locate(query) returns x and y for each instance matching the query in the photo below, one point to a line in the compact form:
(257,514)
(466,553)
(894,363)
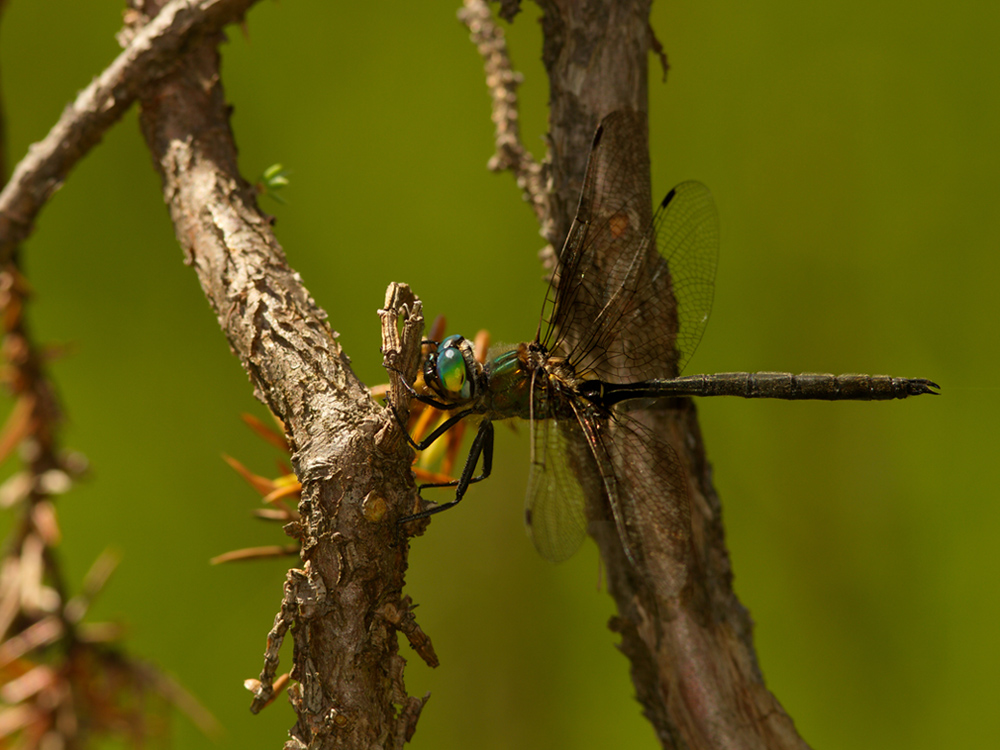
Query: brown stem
(693,662)
(503,80)
(353,467)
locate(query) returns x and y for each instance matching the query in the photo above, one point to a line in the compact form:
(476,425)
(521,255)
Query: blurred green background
(853,151)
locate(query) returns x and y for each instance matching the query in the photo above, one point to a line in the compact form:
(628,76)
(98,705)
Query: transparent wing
(612,310)
(645,483)
(555,507)
(603,243)
(686,227)
(613,304)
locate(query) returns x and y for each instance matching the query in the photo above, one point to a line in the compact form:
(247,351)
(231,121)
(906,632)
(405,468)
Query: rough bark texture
(354,470)
(693,662)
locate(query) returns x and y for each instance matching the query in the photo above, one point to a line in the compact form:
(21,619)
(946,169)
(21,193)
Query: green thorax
(509,390)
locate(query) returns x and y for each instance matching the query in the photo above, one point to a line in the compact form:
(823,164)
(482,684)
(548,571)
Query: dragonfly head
(452,370)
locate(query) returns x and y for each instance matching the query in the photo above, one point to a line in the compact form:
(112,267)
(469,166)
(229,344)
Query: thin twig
(503,80)
(264,688)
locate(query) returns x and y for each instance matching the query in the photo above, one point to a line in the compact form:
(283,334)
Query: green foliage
(271,180)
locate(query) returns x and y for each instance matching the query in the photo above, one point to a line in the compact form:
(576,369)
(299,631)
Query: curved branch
(151,52)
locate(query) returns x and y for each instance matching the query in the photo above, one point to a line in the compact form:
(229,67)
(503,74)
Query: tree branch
(350,459)
(693,662)
(503,80)
(151,51)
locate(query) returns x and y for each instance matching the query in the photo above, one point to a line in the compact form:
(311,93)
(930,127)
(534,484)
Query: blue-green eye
(451,369)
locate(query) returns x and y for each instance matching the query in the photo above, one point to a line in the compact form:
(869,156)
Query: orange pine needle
(263,485)
(18,425)
(293,488)
(256,553)
(278,441)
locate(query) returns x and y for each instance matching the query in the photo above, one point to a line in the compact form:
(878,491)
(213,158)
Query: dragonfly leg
(418,396)
(441,430)
(481,446)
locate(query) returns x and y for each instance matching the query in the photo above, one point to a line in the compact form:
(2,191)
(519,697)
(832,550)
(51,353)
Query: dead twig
(502,81)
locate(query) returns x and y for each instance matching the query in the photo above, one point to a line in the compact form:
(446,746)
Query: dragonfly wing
(612,310)
(646,487)
(613,303)
(555,509)
(598,257)
(686,227)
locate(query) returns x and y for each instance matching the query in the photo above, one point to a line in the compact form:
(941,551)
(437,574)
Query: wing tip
(668,197)
(598,134)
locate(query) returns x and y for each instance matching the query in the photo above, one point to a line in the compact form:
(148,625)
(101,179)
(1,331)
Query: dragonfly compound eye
(451,371)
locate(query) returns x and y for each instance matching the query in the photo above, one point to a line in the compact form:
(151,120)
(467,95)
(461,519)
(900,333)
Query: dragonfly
(626,307)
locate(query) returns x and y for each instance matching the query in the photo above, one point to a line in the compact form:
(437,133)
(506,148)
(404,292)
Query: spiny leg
(481,446)
(428,441)
(441,429)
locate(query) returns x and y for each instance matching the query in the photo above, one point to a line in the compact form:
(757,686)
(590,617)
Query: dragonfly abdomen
(785,385)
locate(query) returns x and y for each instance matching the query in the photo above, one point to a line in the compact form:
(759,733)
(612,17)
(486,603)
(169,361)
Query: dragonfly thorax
(529,382)
(556,372)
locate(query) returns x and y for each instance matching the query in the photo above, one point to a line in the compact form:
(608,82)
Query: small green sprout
(273,179)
